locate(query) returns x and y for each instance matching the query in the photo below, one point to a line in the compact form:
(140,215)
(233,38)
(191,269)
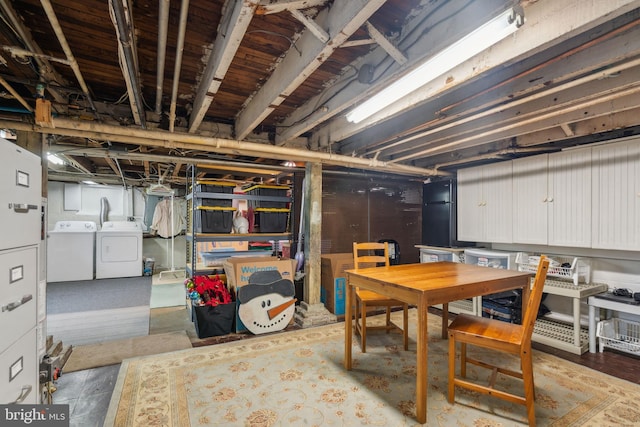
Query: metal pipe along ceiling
(130,71)
(157,138)
(184,9)
(163,25)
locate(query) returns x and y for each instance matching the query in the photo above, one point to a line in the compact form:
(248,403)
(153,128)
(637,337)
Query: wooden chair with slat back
(364,256)
(500,336)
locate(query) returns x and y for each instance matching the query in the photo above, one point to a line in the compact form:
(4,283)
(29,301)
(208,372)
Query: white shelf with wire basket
(566,335)
(619,334)
(576,269)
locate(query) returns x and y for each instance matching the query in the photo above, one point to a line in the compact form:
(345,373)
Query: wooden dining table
(423,285)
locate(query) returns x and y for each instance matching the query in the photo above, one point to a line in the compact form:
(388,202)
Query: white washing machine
(71,251)
(119,250)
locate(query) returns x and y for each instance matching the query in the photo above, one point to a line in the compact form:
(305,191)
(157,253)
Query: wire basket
(570,268)
(619,334)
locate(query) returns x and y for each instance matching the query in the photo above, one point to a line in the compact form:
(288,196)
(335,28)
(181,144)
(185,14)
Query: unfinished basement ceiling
(140,89)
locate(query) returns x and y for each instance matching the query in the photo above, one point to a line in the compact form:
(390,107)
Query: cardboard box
(239,269)
(333,280)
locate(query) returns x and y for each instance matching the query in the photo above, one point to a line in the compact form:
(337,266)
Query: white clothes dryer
(119,250)
(70,251)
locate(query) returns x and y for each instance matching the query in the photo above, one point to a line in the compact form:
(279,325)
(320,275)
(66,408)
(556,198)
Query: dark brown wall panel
(370,209)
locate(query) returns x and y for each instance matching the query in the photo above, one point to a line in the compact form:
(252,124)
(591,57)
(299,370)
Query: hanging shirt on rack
(161,223)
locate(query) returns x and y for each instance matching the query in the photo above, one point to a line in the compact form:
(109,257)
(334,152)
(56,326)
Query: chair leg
(405,327)
(452,368)
(363,334)
(388,319)
(463,359)
(529,391)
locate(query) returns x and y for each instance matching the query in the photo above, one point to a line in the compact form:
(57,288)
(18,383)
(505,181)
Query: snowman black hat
(264,283)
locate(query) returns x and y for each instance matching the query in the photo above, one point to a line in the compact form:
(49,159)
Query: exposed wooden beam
(384,43)
(345,16)
(267,7)
(311,25)
(233,26)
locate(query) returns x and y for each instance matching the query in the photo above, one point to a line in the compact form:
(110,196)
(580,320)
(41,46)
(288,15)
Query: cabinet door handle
(22,207)
(13,305)
(545,200)
(26,390)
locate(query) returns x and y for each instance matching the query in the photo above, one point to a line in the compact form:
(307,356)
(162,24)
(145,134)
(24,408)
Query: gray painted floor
(87,393)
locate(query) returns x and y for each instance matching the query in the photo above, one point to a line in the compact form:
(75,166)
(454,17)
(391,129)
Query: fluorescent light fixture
(55,159)
(467,47)
(90,182)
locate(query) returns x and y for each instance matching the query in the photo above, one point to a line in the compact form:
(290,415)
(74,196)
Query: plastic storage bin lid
(219,183)
(271,210)
(272,187)
(215,208)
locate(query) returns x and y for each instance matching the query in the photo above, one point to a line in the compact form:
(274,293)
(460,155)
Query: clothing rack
(164,191)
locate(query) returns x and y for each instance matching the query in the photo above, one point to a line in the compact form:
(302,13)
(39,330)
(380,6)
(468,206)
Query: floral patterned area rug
(297,378)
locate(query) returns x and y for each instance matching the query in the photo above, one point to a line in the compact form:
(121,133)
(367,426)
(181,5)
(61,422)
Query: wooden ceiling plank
(47,71)
(233,26)
(344,17)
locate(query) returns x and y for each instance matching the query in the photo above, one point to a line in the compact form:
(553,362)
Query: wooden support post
(313,232)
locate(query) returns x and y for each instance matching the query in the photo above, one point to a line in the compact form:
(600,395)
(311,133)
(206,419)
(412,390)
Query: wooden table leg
(348,325)
(421,367)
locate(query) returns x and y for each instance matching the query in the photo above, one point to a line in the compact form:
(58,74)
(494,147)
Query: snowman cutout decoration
(266,303)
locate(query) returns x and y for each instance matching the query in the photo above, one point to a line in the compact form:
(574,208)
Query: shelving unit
(194,235)
(567,277)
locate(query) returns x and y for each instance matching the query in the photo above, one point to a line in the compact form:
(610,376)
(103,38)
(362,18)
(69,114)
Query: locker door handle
(26,390)
(22,207)
(13,305)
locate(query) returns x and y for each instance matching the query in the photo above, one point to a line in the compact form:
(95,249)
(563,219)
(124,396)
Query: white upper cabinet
(569,198)
(616,196)
(485,203)
(552,199)
(530,200)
